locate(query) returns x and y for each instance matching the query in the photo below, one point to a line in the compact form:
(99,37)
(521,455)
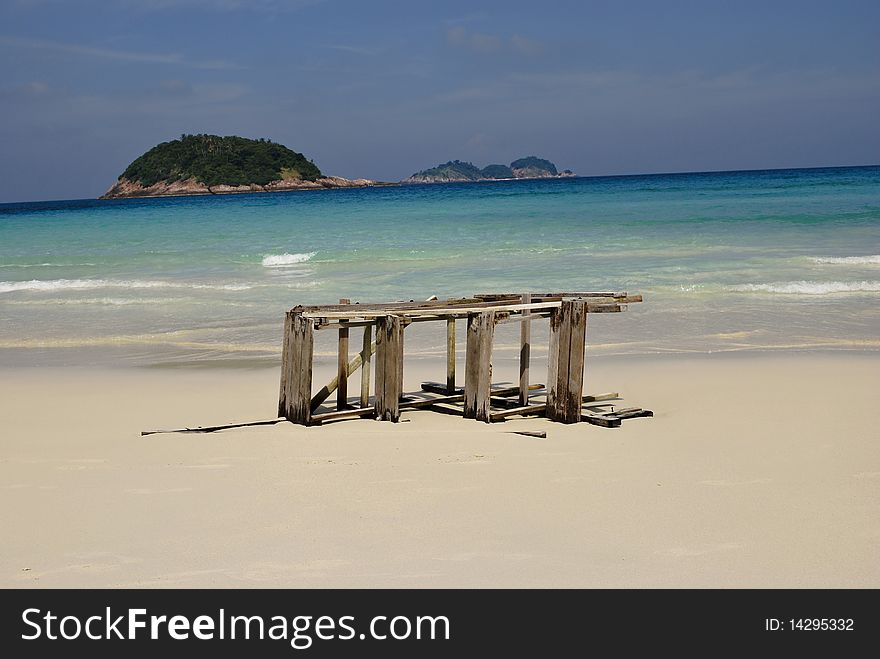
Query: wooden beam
(437,388)
(524,352)
(299,345)
(388,384)
(342,363)
(566,362)
(366,353)
(478,365)
(450,355)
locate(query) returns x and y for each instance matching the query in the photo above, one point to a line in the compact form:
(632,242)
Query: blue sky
(382,89)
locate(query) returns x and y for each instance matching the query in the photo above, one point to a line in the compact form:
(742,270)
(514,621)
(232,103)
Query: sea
(727,262)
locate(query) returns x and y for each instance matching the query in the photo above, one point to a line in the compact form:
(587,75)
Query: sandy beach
(758,470)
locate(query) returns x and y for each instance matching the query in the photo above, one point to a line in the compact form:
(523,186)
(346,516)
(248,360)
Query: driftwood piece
(203,429)
(541,434)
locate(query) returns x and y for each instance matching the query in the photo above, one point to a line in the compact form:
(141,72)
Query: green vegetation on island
(457,170)
(535,163)
(214,160)
(497,171)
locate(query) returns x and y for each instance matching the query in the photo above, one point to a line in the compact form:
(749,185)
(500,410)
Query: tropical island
(210,164)
(458,171)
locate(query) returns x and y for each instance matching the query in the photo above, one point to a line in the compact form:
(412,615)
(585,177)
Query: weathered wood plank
(565,371)
(450,355)
(285,364)
(297,406)
(525,334)
(478,365)
(342,362)
(388,383)
(366,353)
(575,388)
(535,408)
(402,337)
(225,426)
(351,413)
(600,420)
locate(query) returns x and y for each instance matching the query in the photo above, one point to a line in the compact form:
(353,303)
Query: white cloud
(113,54)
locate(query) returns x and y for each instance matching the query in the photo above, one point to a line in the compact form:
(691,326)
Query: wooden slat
(366,353)
(478,365)
(342,363)
(415,312)
(525,333)
(351,413)
(600,420)
(535,408)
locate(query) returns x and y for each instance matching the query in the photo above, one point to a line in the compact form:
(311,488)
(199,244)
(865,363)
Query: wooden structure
(563,398)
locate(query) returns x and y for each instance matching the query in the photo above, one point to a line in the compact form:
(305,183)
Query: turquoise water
(782,259)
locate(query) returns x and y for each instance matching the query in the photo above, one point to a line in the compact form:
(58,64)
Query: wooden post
(388,354)
(450,355)
(296,378)
(366,351)
(400,359)
(565,373)
(525,335)
(342,362)
(285,364)
(478,365)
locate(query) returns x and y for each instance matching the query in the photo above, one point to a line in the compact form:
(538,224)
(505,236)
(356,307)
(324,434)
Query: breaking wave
(283,260)
(811,287)
(873,259)
(91,284)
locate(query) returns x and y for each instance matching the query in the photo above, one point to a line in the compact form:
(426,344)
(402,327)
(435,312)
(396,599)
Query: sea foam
(283,260)
(873,259)
(91,284)
(811,287)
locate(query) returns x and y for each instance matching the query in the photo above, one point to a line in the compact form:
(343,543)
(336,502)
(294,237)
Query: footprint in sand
(687,552)
(147,490)
(724,483)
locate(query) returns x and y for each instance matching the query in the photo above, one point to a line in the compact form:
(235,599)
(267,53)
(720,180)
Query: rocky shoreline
(126,189)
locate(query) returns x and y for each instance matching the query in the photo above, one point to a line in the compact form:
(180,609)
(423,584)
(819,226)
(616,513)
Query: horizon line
(575,176)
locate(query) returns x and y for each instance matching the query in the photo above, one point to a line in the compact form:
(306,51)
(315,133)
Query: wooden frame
(564,399)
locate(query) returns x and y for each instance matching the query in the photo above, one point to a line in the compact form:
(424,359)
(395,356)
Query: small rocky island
(458,171)
(210,164)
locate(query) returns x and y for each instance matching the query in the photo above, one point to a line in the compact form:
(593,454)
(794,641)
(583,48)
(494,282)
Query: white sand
(756,471)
